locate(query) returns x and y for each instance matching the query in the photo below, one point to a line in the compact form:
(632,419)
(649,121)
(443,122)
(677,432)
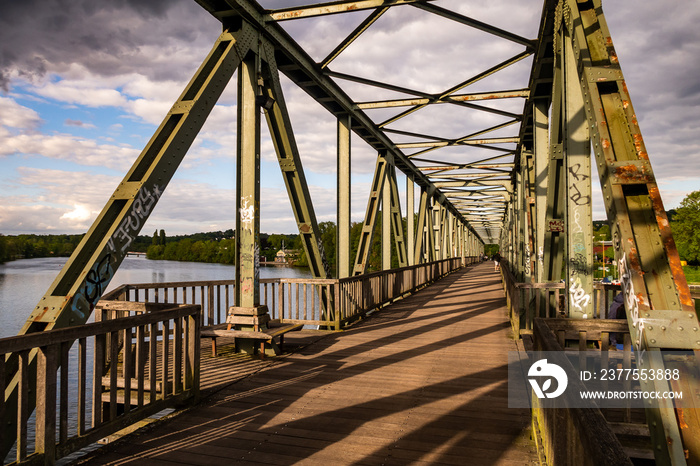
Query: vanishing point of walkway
(424,381)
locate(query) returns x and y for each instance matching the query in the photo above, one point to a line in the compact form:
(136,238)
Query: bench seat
(275,329)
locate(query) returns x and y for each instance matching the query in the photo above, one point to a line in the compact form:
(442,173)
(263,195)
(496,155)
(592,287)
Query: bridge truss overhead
(500,153)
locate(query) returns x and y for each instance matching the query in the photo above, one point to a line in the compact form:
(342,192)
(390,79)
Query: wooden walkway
(424,381)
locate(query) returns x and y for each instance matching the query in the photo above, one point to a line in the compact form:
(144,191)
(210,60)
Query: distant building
(286,255)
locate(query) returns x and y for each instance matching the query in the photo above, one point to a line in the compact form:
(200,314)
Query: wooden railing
(304,301)
(527,301)
(359,295)
(121,371)
(577,436)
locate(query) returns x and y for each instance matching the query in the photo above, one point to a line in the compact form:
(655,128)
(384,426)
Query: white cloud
(70,148)
(14,115)
(137,58)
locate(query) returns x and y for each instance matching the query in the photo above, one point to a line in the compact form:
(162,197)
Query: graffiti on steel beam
(528,259)
(256,271)
(96,282)
(578,261)
(631,300)
(322,253)
(556,226)
(247,212)
(579,297)
(131,225)
(576,197)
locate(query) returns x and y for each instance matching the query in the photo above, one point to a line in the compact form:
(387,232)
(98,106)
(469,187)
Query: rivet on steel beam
(680,329)
(663,327)
(653,341)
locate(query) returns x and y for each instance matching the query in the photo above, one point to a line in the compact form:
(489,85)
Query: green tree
(328,233)
(156,240)
(4,256)
(162,237)
(686,228)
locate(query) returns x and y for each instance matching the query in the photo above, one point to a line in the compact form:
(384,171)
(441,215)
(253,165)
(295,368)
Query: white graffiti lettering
(579,298)
(631,300)
(131,224)
(247,212)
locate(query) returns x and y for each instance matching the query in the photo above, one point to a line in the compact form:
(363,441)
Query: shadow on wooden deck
(423,382)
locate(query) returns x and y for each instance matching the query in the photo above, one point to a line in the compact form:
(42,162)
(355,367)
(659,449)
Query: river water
(24,282)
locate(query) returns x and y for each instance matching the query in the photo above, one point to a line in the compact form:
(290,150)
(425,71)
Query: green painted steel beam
(541,154)
(555,221)
(386,219)
(473,97)
(344,176)
(280,126)
(72,296)
(331,8)
(579,220)
(652,278)
(396,218)
(420,243)
(296,64)
(357,32)
(364,247)
(410,221)
(248,185)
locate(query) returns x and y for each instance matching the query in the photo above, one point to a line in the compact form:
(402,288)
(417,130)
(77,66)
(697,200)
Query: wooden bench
(267,335)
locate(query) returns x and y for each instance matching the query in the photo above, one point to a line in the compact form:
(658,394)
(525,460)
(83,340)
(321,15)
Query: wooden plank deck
(422,382)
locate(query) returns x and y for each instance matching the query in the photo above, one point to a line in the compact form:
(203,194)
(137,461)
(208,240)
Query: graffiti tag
(131,225)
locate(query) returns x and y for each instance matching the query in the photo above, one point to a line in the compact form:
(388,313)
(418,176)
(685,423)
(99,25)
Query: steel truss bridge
(518,174)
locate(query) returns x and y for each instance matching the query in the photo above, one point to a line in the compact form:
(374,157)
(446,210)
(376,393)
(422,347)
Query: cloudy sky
(84,84)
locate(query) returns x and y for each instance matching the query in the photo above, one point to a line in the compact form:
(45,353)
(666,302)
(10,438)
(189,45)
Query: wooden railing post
(46,371)
(338,305)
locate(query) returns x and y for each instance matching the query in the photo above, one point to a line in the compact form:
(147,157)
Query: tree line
(32,246)
(219,246)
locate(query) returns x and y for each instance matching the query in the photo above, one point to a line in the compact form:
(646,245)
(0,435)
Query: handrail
(527,301)
(139,366)
(573,435)
(297,300)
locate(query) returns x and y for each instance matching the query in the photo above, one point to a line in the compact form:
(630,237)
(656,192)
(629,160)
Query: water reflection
(24,282)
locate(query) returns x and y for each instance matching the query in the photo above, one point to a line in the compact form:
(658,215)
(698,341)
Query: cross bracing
(500,153)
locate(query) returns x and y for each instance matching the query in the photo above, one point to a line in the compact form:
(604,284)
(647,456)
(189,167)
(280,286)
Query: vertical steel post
(248,185)
(579,222)
(430,231)
(530,214)
(541,153)
(343,264)
(386,220)
(556,194)
(518,214)
(411,220)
